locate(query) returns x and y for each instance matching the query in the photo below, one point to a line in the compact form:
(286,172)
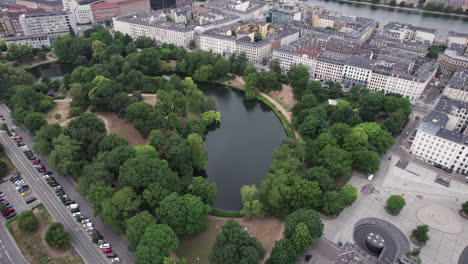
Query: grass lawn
(265,230)
(200,244)
(11,168)
(33,246)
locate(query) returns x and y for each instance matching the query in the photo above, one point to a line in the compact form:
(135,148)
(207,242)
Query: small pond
(239,150)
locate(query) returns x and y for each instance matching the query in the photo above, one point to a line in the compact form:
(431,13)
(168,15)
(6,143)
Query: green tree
(421,233)
(211,117)
(19,53)
(349,194)
(142,170)
(119,208)
(309,218)
(184,214)
(3,168)
(222,67)
(64,154)
(322,177)
(332,203)
(393,2)
(251,206)
(44,137)
(395,204)
(157,243)
(34,121)
(301,237)
(298,76)
(27,221)
(56,237)
(337,161)
(111,141)
(234,245)
(204,73)
(88,130)
(465,207)
(97,193)
(198,151)
(205,190)
(275,66)
(284,252)
(135,228)
(192,44)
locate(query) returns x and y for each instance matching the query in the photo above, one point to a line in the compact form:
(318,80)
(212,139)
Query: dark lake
(239,150)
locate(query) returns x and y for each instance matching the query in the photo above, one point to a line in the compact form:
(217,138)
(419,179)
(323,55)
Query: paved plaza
(426,203)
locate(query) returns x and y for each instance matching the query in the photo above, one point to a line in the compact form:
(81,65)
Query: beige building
(457,87)
(54,24)
(33,41)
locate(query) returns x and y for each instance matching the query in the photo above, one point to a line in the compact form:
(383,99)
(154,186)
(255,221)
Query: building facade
(452,60)
(160,4)
(108,11)
(457,87)
(54,24)
(33,41)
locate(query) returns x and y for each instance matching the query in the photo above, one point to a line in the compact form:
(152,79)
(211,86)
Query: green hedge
(221,213)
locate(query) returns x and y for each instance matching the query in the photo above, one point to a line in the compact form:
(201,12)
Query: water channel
(443,23)
(239,150)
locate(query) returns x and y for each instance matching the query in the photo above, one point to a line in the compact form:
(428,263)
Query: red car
(1,116)
(18,138)
(9,211)
(107,251)
(36,162)
(42,170)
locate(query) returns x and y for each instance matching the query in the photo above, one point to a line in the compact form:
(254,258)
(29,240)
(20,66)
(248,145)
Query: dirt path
(121,128)
(62,108)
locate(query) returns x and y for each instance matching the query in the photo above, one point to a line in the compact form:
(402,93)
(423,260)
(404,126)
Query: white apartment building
(409,32)
(33,41)
(218,44)
(457,38)
(83,14)
(69,4)
(357,71)
(329,66)
(457,87)
(440,139)
(54,24)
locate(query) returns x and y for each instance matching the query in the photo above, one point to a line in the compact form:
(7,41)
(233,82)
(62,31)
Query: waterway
(239,151)
(443,23)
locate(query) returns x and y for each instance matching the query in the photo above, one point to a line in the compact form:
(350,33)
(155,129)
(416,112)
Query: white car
(88,225)
(45,176)
(84,221)
(89,229)
(76,214)
(115,260)
(104,246)
(19,183)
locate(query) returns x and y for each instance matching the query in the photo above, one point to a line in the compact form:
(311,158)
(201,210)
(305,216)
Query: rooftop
(25,37)
(459,80)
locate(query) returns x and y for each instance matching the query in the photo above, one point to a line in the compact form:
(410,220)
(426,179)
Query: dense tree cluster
(56,237)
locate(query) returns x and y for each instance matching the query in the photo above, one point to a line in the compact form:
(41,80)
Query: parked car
(32,157)
(15,178)
(8,211)
(84,221)
(30,200)
(104,246)
(1,194)
(48,173)
(17,138)
(115,260)
(73,206)
(76,210)
(90,230)
(107,251)
(26,192)
(41,170)
(111,255)
(36,162)
(59,192)
(85,225)
(70,202)
(76,214)
(10,215)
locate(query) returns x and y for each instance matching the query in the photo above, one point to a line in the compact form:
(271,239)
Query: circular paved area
(440,218)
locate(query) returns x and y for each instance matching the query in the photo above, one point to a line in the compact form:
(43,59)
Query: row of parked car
(71,205)
(6,208)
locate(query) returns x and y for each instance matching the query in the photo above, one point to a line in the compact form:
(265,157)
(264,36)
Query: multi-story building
(83,14)
(457,87)
(183,3)
(110,10)
(256,39)
(47,5)
(33,41)
(457,38)
(329,66)
(283,14)
(54,24)
(357,71)
(160,4)
(408,32)
(184,25)
(454,58)
(441,138)
(380,44)
(245,9)
(9,20)
(453,3)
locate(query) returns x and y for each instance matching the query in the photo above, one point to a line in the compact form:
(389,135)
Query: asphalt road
(9,251)
(118,242)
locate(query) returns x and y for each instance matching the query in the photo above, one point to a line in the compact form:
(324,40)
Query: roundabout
(380,239)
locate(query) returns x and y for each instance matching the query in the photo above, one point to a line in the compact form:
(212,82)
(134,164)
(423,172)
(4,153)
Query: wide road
(9,251)
(118,242)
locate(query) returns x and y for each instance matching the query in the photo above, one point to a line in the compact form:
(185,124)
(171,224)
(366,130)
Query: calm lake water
(239,150)
(443,23)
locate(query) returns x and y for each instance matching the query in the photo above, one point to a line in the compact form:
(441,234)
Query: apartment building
(245,9)
(454,58)
(54,24)
(408,32)
(109,10)
(243,38)
(284,14)
(329,66)
(441,138)
(186,23)
(456,38)
(47,5)
(357,71)
(9,21)
(83,14)
(457,87)
(33,41)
